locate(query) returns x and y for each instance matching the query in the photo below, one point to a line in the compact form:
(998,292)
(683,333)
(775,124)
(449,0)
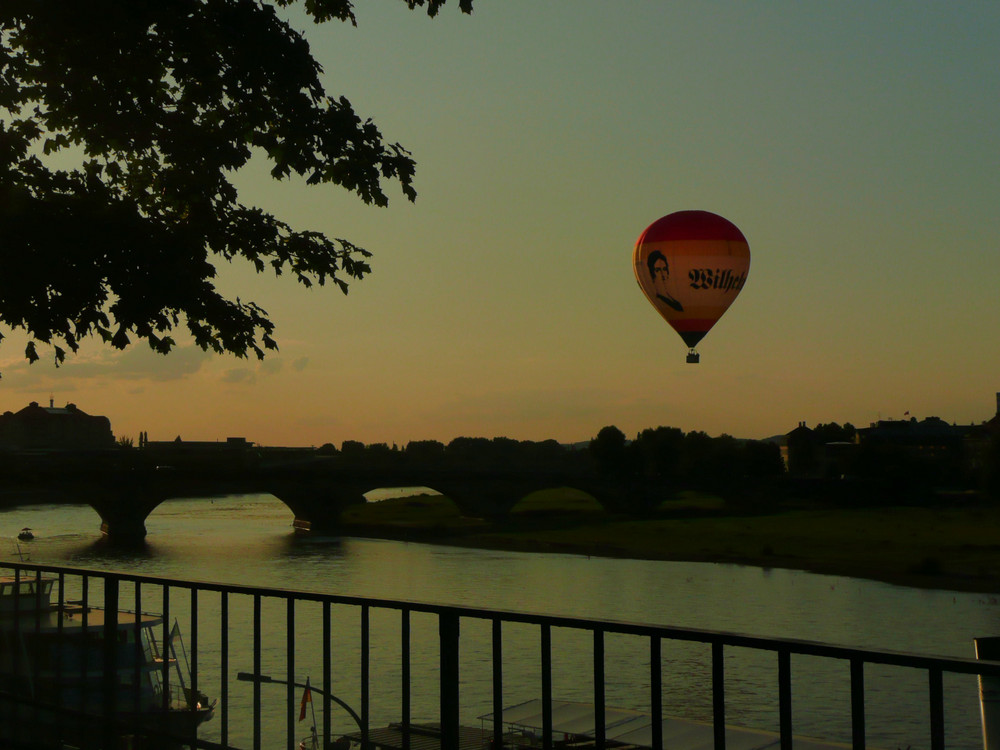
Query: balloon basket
(693,357)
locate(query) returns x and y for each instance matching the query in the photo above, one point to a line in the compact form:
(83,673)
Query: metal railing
(239,633)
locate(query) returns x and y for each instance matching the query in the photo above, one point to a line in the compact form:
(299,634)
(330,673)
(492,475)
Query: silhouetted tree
(503,450)
(353,448)
(661,451)
(697,465)
(546,453)
(726,457)
(762,460)
(609,451)
(424,450)
(834,433)
(468,451)
(159,104)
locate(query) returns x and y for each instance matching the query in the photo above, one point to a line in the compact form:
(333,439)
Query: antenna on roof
(52,402)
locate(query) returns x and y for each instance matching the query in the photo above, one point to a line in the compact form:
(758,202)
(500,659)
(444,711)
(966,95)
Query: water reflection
(304,547)
(105,550)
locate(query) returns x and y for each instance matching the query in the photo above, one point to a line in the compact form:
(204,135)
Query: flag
(306,698)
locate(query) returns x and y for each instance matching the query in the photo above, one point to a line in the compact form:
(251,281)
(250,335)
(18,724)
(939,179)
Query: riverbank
(952,546)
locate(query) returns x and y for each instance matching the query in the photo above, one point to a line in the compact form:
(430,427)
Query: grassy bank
(954,547)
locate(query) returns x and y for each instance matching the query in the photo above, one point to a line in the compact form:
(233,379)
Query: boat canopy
(624,726)
(419,737)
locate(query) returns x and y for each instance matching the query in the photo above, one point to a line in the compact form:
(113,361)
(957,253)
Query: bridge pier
(318,503)
(128,531)
(123,518)
(124,508)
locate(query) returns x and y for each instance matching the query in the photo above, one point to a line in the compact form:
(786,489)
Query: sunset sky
(855,144)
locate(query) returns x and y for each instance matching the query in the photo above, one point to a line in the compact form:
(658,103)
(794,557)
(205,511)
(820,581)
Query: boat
(52,671)
(25,534)
(575,724)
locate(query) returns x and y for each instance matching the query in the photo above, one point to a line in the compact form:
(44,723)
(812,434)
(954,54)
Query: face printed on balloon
(659,270)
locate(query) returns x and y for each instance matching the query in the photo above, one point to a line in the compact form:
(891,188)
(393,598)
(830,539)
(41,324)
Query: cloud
(142,363)
(249,375)
(137,363)
(270,366)
(300,364)
(240,375)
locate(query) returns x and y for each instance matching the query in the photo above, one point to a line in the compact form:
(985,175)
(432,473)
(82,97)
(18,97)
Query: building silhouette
(50,427)
(925,450)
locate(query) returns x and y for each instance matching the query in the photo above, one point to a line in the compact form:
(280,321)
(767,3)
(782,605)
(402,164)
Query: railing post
(85,630)
(449,633)
(546,686)
(404,648)
(656,689)
(366,675)
(600,730)
(858,703)
(60,634)
(290,715)
(37,627)
(256,670)
(110,681)
(165,670)
(16,655)
(497,683)
(192,702)
(937,708)
(327,672)
(136,650)
(224,666)
(988,647)
(785,697)
(719,695)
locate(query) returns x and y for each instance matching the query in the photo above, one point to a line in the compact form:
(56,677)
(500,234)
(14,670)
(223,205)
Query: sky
(855,144)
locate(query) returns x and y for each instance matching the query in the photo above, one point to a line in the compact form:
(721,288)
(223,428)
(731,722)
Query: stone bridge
(317,493)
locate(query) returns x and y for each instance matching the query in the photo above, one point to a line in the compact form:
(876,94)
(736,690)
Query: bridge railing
(73,673)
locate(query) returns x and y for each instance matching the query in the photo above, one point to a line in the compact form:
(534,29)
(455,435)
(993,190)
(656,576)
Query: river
(248,539)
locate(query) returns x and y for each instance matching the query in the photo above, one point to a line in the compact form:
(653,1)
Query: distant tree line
(896,462)
(463,452)
(685,460)
(692,460)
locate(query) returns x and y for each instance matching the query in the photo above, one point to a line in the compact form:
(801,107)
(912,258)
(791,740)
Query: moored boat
(54,656)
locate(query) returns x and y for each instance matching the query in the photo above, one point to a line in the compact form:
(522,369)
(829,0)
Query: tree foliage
(610,452)
(834,433)
(693,461)
(155,104)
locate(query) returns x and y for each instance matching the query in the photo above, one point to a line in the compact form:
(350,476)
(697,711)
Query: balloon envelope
(691,265)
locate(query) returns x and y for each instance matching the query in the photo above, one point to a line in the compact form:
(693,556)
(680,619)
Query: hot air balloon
(691,265)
